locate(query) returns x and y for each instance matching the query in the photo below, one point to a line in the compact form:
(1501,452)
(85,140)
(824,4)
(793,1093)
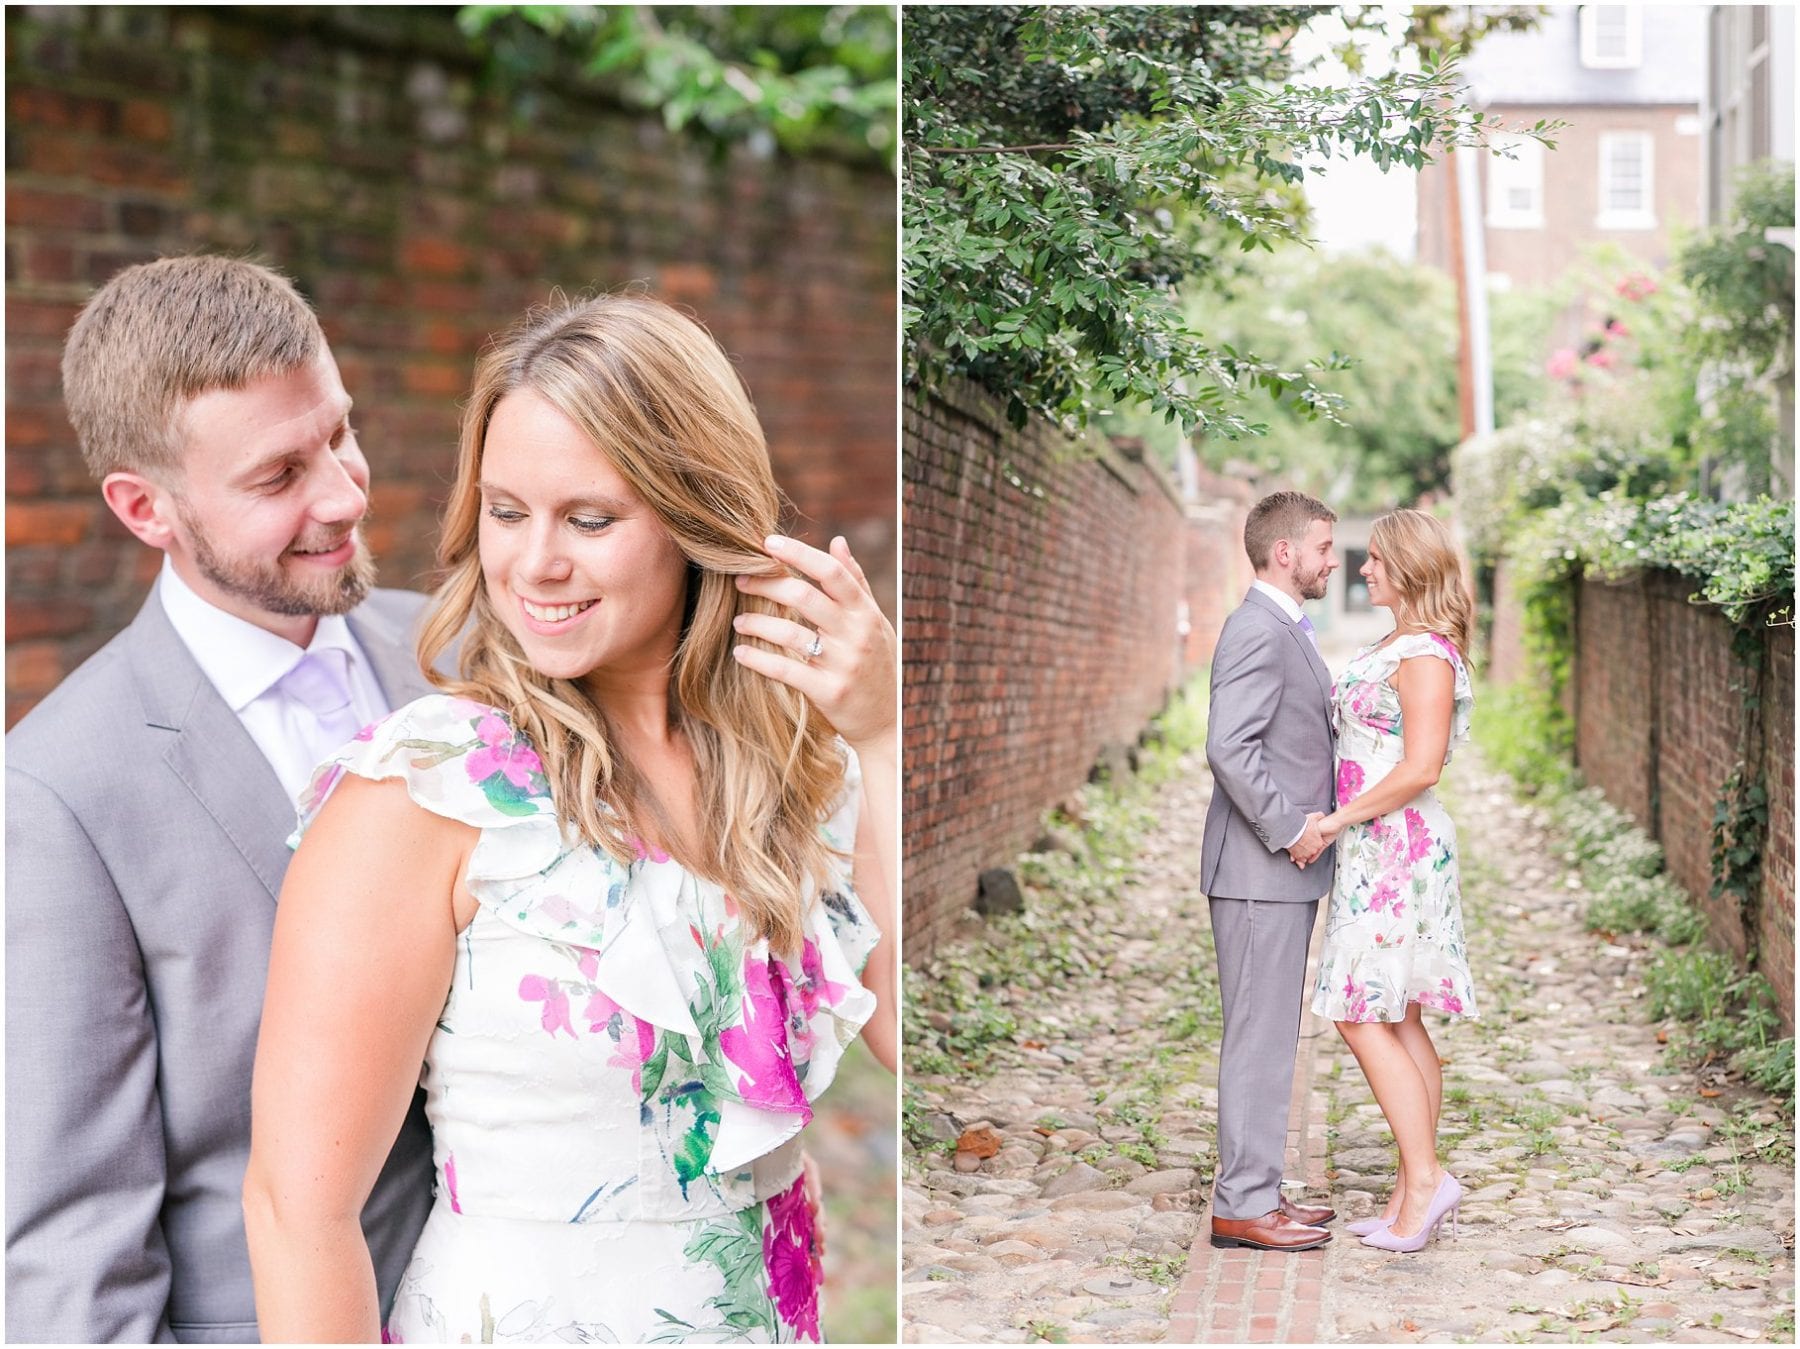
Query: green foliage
(1769,1066)
(1067,167)
(1525,734)
(810,78)
(1397,420)
(1741,554)
(1744,283)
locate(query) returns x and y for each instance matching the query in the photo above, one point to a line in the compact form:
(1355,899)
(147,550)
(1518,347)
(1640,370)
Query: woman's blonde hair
(1425,569)
(662,402)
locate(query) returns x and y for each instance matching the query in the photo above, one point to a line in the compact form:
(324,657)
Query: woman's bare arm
(365,943)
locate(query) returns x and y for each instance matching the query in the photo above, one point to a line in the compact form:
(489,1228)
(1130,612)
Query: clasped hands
(1313,840)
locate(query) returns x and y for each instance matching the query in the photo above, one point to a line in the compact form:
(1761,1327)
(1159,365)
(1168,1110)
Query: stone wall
(1043,589)
(1659,714)
(356,149)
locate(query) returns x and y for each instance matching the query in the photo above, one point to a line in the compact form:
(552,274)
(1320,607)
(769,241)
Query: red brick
(71,211)
(146,121)
(40,618)
(433,377)
(46,522)
(32,667)
(435,257)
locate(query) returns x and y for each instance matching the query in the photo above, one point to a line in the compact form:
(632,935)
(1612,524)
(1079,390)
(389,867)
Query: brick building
(360,150)
(1626,170)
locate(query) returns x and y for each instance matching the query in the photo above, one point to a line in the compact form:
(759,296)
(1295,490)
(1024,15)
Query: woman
(1394,938)
(604,887)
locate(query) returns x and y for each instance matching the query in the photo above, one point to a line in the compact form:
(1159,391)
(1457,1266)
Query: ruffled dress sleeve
(1463,711)
(800,1012)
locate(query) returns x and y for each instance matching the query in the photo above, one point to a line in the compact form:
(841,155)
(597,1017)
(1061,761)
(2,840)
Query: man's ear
(1282,554)
(142,505)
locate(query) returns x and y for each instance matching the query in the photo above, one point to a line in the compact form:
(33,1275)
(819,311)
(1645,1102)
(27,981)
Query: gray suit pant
(1261,945)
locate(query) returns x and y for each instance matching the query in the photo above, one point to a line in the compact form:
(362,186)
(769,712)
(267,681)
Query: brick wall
(1506,640)
(356,150)
(1042,587)
(1658,713)
(1216,572)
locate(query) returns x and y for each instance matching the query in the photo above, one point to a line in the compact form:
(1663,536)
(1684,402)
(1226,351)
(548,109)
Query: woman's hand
(841,653)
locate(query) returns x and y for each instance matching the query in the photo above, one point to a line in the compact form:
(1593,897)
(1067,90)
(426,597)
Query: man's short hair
(1280,515)
(161,333)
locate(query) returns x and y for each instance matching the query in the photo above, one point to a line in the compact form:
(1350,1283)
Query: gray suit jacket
(145,846)
(1269,742)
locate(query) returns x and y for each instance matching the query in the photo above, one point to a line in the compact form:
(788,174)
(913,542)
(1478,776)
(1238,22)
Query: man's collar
(1281,597)
(240,659)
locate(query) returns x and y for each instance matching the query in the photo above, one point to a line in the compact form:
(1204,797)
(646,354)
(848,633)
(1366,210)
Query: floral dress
(620,1074)
(1393,932)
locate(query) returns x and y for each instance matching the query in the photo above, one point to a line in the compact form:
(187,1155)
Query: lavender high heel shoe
(1443,1204)
(1363,1226)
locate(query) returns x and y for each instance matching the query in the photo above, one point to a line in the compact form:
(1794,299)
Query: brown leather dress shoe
(1274,1231)
(1301,1213)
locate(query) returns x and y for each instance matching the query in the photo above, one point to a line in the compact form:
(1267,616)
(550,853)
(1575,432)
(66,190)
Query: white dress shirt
(1292,609)
(246,664)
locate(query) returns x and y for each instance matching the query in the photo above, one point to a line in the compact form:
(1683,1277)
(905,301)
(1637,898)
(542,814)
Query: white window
(1516,186)
(1627,181)
(1612,37)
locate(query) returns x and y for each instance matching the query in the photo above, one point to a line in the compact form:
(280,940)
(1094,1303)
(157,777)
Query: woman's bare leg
(1401,1092)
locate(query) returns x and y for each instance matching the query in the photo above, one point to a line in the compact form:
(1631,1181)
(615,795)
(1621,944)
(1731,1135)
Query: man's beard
(1313,587)
(272,589)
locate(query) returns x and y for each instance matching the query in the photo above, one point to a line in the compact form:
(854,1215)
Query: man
(150,797)
(1263,863)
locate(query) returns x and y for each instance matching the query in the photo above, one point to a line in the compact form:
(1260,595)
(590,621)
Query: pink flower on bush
(1563,363)
(1349,781)
(794,1269)
(1636,286)
(536,988)
(1602,358)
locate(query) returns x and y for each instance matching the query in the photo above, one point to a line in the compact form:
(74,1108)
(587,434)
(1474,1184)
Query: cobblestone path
(1606,1200)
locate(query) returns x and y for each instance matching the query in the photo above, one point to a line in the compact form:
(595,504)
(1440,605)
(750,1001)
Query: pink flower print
(502,753)
(588,962)
(450,1182)
(1447,998)
(1349,781)
(1356,998)
(642,851)
(320,787)
(536,988)
(636,1039)
(759,1046)
(795,1272)
(1418,837)
(561,909)
(815,987)
(368,732)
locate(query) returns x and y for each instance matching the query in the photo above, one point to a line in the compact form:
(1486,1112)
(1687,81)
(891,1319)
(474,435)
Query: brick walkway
(1241,1296)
